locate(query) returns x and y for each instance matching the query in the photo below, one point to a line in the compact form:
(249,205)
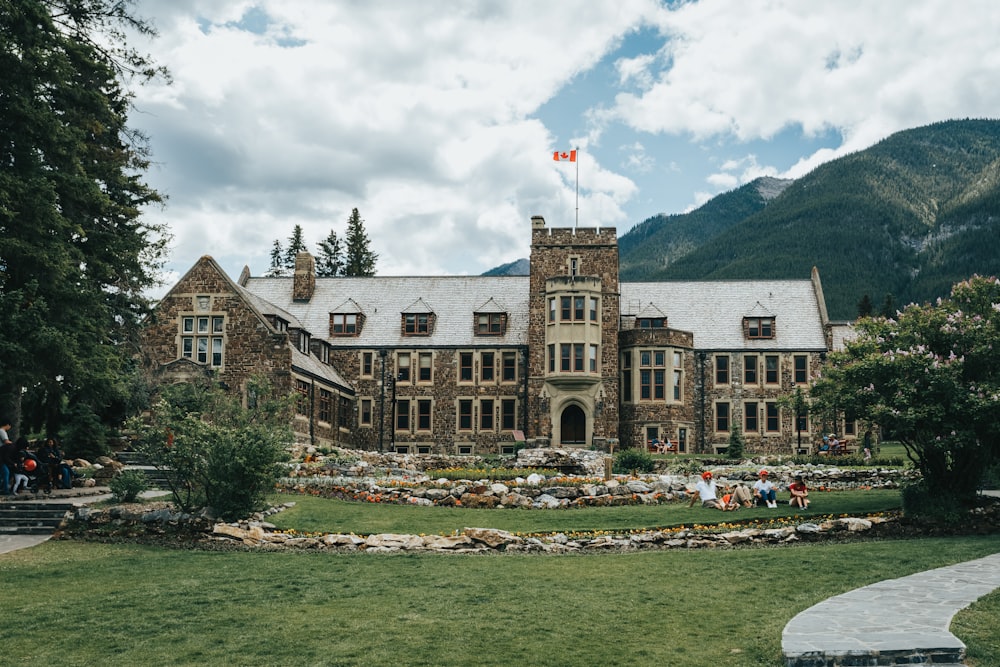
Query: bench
(657,447)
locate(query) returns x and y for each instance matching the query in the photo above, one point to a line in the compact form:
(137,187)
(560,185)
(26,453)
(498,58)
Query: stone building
(567,356)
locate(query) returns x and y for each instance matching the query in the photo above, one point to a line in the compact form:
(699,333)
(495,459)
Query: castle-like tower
(573,336)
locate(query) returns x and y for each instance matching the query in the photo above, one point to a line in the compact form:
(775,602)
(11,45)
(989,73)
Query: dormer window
(347,319)
(758,327)
(491,324)
(651,322)
(303,340)
(344,324)
(417,324)
(418,319)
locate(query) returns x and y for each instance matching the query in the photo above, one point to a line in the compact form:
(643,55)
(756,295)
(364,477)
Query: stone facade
(207,326)
(574,269)
(565,357)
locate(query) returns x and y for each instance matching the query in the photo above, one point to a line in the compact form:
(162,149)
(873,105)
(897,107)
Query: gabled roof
(491,306)
(759,310)
(349,306)
(649,311)
(417,307)
(456,299)
(713,311)
(261,307)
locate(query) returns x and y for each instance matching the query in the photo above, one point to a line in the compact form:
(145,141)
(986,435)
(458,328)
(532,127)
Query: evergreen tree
(76,257)
(736,447)
(359,260)
(296,244)
(865,306)
(330,262)
(277,267)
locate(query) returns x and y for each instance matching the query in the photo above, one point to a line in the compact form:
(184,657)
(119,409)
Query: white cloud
(426,115)
(418,114)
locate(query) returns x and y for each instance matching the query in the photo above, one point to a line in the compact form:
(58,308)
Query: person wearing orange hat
(764,491)
(708,493)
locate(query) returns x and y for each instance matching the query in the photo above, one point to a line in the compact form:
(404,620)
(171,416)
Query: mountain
(653,244)
(519,267)
(901,221)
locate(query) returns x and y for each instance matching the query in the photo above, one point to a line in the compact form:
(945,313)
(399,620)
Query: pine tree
(277,267)
(296,244)
(359,260)
(330,262)
(865,306)
(736,447)
(76,255)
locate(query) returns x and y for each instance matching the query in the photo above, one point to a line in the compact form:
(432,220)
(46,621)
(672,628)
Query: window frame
(722,369)
(722,416)
(759,327)
(750,369)
(344,324)
(495,324)
(751,417)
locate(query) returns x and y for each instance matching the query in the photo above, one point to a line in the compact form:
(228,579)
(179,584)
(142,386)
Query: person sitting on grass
(800,494)
(764,491)
(738,494)
(707,492)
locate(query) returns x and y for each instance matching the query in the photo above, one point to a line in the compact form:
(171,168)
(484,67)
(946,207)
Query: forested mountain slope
(904,219)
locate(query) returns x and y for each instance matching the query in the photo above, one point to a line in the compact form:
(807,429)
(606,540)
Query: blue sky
(438,119)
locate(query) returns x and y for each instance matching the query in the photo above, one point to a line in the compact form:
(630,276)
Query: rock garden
(550,479)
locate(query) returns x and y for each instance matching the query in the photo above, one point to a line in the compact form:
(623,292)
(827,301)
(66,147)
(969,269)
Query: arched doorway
(573,426)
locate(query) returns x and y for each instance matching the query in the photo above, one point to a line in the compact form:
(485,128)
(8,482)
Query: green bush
(991,477)
(127,485)
(633,460)
(220,454)
(921,504)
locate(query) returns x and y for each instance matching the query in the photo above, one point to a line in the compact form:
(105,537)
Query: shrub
(127,485)
(219,453)
(922,504)
(633,460)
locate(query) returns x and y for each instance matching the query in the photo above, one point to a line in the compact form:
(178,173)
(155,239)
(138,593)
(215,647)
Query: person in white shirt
(764,491)
(706,491)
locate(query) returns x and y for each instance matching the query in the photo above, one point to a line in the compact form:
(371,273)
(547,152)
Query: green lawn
(311,514)
(71,603)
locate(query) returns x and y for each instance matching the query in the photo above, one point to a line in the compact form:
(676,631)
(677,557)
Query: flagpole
(577,222)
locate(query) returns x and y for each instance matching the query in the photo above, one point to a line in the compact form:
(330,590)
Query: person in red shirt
(799,493)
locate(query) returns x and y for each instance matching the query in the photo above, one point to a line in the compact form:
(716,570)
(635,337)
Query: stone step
(133,458)
(32,518)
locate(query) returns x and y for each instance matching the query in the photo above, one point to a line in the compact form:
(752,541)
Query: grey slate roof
(714,310)
(307,363)
(452,299)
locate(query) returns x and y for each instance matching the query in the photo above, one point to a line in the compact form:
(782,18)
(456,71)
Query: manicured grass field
(311,514)
(73,603)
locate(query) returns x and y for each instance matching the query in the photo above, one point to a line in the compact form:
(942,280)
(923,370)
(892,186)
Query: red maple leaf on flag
(564,156)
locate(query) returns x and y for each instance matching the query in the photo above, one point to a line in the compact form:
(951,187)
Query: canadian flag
(564,156)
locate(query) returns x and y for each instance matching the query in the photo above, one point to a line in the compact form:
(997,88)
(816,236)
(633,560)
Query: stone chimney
(305,277)
(537,222)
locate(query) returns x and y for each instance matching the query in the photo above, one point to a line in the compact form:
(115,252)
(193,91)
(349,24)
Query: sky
(438,119)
